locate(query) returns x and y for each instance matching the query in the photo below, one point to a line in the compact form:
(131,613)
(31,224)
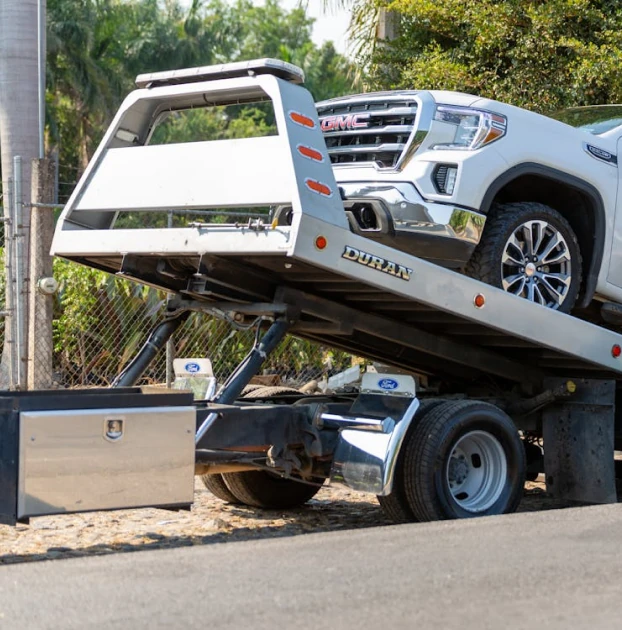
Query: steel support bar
(253,428)
(337,421)
(250,365)
(255,309)
(156,341)
(246,370)
(437,349)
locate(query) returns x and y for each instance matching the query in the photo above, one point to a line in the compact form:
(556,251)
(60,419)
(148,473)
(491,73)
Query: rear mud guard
(579,443)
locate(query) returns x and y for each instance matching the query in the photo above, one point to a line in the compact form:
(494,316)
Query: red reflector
(321,242)
(310,153)
(301,119)
(616,351)
(479,300)
(318,187)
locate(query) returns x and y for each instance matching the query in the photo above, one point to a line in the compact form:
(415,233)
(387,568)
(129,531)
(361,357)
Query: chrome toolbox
(79,451)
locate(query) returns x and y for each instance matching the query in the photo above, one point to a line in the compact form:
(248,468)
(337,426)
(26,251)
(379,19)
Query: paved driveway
(557,569)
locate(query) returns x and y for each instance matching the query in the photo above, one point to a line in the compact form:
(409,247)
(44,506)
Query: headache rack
(337,287)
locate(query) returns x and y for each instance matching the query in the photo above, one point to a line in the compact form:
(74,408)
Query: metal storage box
(77,452)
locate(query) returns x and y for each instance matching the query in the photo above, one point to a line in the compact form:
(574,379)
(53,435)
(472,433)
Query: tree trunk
(19,119)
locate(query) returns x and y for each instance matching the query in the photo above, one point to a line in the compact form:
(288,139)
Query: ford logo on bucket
(388,383)
(193,368)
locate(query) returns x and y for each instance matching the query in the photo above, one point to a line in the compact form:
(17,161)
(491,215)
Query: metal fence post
(42,289)
(19,311)
(9,372)
(170,344)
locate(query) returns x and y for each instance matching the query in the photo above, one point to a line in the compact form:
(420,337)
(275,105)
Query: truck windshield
(597,120)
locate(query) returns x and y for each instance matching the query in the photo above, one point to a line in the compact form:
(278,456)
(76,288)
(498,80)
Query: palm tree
(18,86)
(86,80)
(18,106)
(371,24)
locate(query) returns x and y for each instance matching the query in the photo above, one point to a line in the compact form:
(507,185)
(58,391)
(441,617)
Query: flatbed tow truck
(497,375)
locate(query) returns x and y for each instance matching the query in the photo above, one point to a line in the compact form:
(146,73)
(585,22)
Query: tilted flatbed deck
(425,319)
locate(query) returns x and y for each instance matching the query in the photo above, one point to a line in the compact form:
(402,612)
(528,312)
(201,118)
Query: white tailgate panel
(248,171)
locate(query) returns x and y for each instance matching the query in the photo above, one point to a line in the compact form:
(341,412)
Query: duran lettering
(375,262)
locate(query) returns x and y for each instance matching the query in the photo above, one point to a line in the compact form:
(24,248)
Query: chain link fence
(101,321)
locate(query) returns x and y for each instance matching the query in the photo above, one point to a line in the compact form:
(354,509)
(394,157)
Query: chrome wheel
(476,471)
(536,264)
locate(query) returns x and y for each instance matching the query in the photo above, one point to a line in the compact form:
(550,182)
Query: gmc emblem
(345,122)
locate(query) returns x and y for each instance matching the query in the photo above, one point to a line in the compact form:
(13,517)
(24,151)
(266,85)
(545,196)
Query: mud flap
(579,443)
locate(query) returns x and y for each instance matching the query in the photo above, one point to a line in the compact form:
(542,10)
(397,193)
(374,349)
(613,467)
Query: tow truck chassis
(496,374)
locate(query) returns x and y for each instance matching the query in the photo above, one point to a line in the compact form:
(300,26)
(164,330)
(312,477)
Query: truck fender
(588,190)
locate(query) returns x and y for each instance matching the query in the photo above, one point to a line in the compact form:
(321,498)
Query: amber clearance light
(318,187)
(310,152)
(301,119)
(321,242)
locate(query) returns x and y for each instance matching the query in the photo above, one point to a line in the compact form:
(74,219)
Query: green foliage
(99,322)
(97,47)
(538,54)
(214,123)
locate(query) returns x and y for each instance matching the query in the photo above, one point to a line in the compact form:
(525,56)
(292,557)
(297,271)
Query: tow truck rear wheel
(395,505)
(464,459)
(530,250)
(217,486)
(263,489)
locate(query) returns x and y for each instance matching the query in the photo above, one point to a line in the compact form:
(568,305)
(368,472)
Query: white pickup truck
(519,200)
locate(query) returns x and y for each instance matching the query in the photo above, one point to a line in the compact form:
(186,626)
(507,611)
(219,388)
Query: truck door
(615,261)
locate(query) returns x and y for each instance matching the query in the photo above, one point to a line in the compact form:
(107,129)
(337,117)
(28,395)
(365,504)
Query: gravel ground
(210,521)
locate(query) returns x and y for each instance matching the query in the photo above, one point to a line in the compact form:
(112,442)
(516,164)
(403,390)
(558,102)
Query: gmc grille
(390,122)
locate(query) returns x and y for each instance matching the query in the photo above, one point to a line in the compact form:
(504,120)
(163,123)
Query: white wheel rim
(476,471)
(536,264)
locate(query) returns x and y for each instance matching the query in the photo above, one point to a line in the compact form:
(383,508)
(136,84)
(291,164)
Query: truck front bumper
(395,214)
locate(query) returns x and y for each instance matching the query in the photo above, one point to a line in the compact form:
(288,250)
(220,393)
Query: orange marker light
(310,153)
(479,300)
(616,351)
(321,242)
(301,119)
(318,187)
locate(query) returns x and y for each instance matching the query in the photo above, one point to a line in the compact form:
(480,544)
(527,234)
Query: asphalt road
(557,569)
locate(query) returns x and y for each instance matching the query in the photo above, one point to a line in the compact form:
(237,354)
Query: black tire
(428,454)
(266,490)
(271,391)
(395,506)
(217,486)
(251,387)
(503,220)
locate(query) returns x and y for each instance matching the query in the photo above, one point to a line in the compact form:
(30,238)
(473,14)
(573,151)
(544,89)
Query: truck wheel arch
(592,249)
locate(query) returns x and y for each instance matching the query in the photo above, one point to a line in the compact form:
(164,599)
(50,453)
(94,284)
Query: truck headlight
(475,128)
